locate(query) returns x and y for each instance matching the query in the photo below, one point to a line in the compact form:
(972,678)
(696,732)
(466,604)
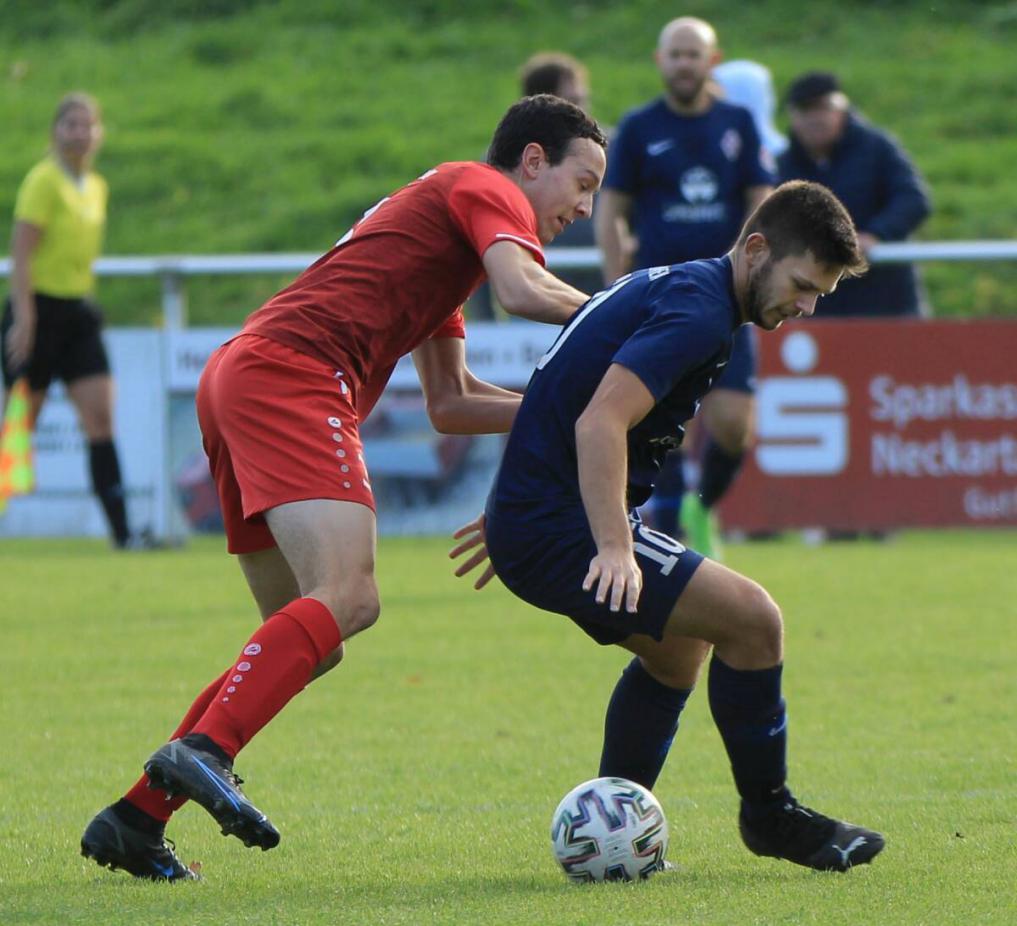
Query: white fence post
(174,300)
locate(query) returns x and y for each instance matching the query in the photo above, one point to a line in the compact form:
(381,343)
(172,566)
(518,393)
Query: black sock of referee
(719,469)
(107,485)
(641,722)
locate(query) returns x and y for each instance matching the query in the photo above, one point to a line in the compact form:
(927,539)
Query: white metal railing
(173,268)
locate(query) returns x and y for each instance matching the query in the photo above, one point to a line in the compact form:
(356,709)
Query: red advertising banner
(876,424)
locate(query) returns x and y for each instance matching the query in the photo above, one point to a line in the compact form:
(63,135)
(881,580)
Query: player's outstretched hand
(476,541)
(615,573)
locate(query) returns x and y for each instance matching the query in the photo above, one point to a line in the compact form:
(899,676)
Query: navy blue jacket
(886,196)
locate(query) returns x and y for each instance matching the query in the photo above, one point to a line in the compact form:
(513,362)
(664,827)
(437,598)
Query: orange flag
(17,468)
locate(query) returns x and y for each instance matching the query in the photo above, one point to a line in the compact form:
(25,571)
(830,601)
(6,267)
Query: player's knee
(354,604)
(368,611)
(678,669)
(749,633)
(730,419)
(675,661)
(359,610)
(760,625)
(733,434)
(98,426)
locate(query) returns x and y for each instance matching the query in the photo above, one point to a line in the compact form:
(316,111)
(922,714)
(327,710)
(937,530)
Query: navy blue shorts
(546,569)
(68,343)
(740,372)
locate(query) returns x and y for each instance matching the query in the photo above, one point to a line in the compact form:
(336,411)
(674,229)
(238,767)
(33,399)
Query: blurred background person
(563,76)
(750,84)
(870,173)
(683,172)
(558,73)
(51,329)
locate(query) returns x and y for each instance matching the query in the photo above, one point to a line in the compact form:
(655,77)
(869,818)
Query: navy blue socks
(642,719)
(749,712)
(747,707)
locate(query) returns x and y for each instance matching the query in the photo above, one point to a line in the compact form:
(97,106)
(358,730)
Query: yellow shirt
(72,216)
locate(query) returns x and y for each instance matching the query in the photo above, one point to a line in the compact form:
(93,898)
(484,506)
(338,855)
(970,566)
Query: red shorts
(278,426)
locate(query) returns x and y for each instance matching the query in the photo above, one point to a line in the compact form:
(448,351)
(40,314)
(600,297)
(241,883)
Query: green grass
(415,784)
(237,125)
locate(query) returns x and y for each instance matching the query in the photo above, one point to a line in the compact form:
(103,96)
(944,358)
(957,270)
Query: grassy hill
(237,125)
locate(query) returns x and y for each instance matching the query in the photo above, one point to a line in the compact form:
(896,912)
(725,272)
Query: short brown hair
(802,216)
(549,121)
(546,71)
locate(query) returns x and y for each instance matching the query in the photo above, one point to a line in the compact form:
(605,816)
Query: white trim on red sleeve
(503,236)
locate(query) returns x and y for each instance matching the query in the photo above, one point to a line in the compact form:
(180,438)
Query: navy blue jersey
(672,327)
(687,176)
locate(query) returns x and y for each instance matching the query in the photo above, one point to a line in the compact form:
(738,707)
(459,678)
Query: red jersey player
(279,407)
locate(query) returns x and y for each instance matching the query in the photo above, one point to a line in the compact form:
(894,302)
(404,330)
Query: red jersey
(400,275)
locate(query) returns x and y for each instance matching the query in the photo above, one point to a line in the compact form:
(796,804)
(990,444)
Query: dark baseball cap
(810,87)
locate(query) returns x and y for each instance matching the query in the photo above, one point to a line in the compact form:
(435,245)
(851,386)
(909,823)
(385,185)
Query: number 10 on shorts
(660,548)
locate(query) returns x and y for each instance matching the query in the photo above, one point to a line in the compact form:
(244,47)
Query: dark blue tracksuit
(886,196)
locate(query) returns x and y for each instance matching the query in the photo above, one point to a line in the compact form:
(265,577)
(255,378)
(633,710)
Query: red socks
(275,665)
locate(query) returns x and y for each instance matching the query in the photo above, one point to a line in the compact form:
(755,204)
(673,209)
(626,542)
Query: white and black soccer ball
(609,829)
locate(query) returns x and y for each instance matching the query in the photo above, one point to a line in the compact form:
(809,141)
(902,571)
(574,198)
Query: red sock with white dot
(274,665)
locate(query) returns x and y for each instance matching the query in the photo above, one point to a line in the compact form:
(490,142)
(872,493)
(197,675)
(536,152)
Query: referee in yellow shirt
(50,327)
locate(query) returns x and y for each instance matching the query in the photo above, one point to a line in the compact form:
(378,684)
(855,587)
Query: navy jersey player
(683,173)
(605,403)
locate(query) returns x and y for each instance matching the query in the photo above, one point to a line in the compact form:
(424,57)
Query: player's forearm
(525,289)
(479,387)
(602,452)
(472,413)
(544,298)
(457,401)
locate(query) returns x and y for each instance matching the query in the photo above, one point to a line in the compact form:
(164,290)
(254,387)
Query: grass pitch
(415,784)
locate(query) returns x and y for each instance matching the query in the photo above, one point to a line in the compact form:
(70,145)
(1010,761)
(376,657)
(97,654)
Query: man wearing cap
(872,175)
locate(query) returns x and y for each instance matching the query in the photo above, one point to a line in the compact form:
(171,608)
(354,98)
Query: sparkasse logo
(802,426)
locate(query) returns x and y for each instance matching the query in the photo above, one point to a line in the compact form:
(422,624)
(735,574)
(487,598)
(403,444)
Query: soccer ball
(609,829)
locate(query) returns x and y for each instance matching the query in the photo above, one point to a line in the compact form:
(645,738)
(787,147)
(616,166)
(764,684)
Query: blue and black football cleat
(114,843)
(805,837)
(206,777)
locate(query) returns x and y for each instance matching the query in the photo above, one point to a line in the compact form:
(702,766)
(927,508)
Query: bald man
(683,172)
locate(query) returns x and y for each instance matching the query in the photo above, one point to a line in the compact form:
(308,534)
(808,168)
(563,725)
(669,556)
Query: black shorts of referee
(68,342)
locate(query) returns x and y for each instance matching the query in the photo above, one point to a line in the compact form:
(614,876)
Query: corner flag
(17,470)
